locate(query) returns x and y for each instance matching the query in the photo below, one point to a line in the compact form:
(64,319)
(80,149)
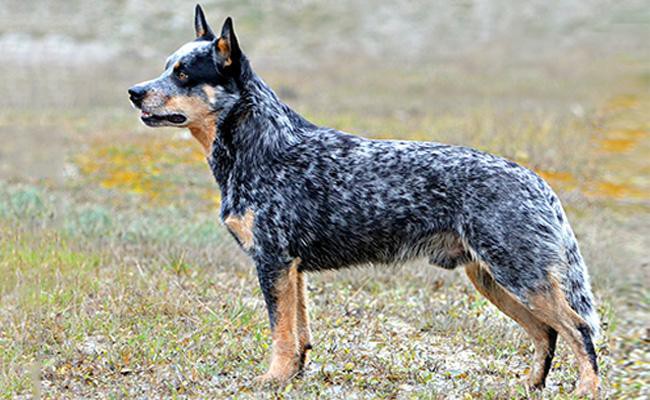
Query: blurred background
(118,280)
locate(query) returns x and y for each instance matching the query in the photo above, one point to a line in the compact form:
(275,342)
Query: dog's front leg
(279,285)
(302,319)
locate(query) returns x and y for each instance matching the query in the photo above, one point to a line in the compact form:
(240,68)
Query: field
(118,280)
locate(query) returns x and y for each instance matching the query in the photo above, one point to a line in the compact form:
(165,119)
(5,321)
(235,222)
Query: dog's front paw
(264,379)
(282,369)
(274,377)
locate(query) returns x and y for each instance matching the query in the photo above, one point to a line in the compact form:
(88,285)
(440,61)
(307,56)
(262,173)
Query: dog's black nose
(136,94)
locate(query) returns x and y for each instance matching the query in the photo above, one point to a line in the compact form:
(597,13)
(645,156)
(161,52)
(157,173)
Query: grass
(124,324)
(118,281)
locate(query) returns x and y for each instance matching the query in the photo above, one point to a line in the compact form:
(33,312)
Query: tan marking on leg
(304,332)
(552,307)
(202,120)
(242,227)
(285,354)
(540,333)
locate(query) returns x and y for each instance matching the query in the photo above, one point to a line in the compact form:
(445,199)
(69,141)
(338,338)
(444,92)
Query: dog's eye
(182,75)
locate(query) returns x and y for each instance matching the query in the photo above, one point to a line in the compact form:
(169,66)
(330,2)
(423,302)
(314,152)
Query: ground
(119,281)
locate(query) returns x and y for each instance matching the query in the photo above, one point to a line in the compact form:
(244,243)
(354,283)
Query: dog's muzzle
(137,95)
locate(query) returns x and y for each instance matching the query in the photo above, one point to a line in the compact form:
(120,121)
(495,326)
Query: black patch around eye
(178,78)
(180,73)
(200,70)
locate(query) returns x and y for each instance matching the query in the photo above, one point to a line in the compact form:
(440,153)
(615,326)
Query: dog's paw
(264,379)
(272,378)
(533,384)
(588,389)
(282,369)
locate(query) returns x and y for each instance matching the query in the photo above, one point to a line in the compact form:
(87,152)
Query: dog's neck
(204,131)
(253,130)
(259,122)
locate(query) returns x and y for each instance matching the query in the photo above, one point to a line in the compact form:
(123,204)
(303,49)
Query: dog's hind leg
(552,307)
(544,337)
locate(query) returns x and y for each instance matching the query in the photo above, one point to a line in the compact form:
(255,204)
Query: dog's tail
(575,282)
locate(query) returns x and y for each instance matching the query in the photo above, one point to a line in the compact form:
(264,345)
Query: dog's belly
(376,220)
(444,249)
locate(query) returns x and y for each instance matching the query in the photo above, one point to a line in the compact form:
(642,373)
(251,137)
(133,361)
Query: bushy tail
(576,286)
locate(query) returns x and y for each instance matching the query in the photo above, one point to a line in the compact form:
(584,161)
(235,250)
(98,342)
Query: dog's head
(199,80)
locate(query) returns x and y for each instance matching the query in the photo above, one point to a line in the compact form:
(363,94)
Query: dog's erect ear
(227,45)
(201,25)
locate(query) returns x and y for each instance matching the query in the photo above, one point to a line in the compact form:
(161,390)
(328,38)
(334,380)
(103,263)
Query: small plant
(27,202)
(94,220)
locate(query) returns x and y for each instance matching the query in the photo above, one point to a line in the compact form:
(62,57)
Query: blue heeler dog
(298,198)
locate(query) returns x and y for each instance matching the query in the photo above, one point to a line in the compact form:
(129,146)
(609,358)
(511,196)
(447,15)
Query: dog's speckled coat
(300,196)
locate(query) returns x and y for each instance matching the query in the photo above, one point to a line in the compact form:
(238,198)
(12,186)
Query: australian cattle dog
(298,198)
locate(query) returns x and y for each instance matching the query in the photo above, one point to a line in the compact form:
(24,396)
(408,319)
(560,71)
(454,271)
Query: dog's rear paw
(588,389)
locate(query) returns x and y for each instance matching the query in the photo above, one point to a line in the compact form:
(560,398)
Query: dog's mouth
(172,119)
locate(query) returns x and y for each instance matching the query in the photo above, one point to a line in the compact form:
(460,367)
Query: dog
(300,198)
